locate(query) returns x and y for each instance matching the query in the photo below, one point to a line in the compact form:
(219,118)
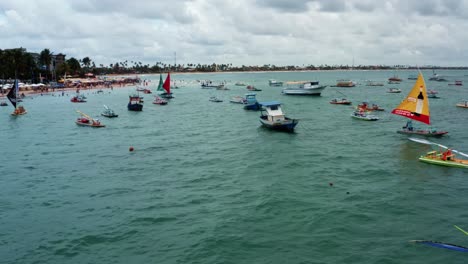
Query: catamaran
(416,107)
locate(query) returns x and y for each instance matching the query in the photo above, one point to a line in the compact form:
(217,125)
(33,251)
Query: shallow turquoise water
(207,184)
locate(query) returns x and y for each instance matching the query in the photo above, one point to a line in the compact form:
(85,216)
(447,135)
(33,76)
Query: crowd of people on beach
(76,83)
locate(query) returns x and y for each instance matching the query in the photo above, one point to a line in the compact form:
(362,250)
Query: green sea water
(207,184)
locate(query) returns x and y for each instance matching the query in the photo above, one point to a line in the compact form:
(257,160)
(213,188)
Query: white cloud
(281,32)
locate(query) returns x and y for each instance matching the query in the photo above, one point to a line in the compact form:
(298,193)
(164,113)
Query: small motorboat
(394,79)
(272,82)
(366,107)
(394,90)
(432,94)
(251,102)
(304,88)
(362,115)
(374,83)
(215,99)
(343,101)
(78,99)
(3,103)
(109,112)
(135,103)
(252,88)
(463,104)
(147,91)
(457,83)
(238,100)
(272,117)
(158,100)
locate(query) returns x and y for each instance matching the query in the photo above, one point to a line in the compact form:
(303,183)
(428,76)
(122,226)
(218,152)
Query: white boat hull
(301,91)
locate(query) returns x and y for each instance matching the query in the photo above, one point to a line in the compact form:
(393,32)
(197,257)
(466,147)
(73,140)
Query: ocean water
(207,184)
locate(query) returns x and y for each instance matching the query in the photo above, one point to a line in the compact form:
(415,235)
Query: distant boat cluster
(415,107)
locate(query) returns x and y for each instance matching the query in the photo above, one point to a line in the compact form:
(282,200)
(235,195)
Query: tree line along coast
(46,67)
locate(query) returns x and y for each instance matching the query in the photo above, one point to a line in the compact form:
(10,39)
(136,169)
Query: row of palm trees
(18,63)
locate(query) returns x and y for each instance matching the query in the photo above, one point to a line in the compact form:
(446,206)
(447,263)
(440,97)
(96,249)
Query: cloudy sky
(242,32)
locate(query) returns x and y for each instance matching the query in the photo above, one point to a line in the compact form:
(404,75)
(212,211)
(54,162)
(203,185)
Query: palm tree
(45,59)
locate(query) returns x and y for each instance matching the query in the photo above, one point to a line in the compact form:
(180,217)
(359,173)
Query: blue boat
(273,117)
(251,102)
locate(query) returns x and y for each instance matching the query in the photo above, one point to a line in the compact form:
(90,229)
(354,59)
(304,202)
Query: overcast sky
(242,32)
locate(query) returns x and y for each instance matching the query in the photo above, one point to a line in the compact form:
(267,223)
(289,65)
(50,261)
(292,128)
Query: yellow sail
(416,104)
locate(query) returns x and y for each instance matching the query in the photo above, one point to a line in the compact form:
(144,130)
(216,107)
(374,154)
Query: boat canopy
(302,82)
(271,103)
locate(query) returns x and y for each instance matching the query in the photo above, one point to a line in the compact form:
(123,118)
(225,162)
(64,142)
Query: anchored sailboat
(416,107)
(167,87)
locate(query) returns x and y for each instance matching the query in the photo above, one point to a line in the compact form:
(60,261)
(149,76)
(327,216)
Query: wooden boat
(442,158)
(343,101)
(215,99)
(272,117)
(109,112)
(251,102)
(345,83)
(394,90)
(86,120)
(362,115)
(304,88)
(408,129)
(416,107)
(463,104)
(14,98)
(158,100)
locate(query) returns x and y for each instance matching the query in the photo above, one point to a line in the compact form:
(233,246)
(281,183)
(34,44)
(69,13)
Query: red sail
(167,83)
